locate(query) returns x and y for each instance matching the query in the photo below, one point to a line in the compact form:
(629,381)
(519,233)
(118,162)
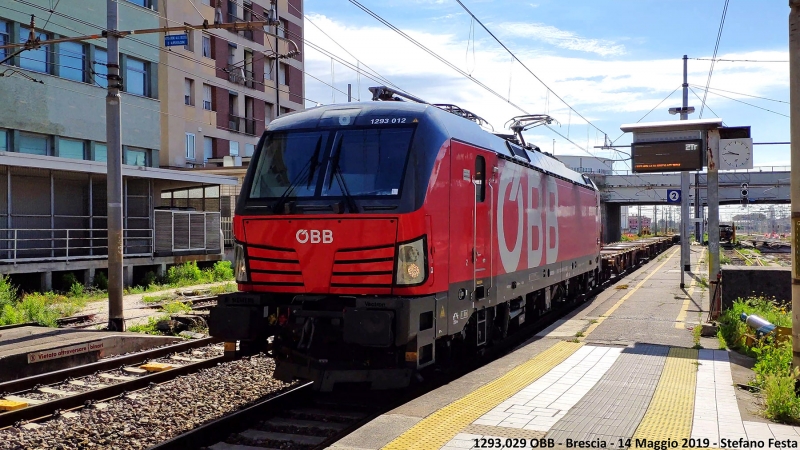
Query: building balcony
(246,125)
(238,75)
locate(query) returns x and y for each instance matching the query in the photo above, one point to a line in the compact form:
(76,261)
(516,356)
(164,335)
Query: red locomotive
(374,239)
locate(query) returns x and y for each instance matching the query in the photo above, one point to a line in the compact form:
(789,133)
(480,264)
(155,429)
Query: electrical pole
(116,319)
(794,93)
(685,258)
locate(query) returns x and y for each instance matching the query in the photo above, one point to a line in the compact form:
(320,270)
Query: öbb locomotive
(374,239)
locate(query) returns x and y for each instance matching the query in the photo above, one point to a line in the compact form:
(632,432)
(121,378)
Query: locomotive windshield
(319,164)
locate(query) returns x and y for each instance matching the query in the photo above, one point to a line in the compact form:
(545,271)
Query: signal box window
(480,179)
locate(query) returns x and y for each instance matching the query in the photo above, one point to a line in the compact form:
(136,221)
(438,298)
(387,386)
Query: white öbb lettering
(538,196)
(314,236)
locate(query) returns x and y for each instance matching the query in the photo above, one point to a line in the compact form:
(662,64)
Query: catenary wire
(713,58)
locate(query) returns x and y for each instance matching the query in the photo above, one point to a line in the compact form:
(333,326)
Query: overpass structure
(765,185)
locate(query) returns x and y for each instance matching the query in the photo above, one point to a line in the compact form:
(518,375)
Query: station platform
(619,371)
(31,350)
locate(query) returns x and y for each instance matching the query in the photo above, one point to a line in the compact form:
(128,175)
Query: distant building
(588,164)
(220,91)
(633,223)
(53,151)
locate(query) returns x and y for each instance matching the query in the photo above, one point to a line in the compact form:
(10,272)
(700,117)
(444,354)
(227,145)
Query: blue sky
(612,61)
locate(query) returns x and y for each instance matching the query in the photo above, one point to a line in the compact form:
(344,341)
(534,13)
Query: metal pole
(794,92)
(349,92)
(712,186)
(277,61)
(698,209)
(685,260)
(116,319)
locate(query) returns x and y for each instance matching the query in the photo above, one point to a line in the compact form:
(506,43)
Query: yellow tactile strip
(440,427)
(669,415)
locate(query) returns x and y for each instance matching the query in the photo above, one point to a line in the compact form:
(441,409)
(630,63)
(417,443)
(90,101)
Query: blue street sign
(673,195)
(171,40)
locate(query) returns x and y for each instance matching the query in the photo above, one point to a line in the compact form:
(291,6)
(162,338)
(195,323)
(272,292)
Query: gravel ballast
(155,415)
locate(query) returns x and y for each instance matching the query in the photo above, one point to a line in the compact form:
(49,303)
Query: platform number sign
(673,195)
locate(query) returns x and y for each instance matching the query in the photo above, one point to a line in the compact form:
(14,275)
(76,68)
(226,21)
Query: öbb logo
(314,236)
(535,199)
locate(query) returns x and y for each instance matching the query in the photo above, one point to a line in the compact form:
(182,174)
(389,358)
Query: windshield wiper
(337,172)
(309,166)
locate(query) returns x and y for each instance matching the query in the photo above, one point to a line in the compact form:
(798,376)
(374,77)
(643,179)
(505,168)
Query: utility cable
(739,93)
(701,100)
(648,113)
(526,67)
(748,104)
(714,57)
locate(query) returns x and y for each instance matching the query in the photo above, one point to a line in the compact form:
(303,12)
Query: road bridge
(765,185)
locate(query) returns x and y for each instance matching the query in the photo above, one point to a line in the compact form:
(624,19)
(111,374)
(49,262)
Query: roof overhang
(672,125)
(14,159)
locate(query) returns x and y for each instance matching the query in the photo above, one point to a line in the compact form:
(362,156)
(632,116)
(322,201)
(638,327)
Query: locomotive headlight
(239,266)
(412,262)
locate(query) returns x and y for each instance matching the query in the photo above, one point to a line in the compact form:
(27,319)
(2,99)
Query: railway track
(41,396)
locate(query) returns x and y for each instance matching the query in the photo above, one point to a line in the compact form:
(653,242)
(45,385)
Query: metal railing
(52,244)
(245,125)
(227,230)
(187,231)
(239,75)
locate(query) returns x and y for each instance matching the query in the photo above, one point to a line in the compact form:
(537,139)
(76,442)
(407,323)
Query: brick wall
(258,114)
(258,32)
(222,106)
(296,4)
(295,77)
(221,147)
(220,49)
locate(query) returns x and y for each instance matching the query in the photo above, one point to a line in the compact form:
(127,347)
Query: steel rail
(219,429)
(47,409)
(27,383)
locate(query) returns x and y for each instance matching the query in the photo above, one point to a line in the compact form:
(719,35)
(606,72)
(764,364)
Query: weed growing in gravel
(696,336)
(156,298)
(593,321)
(722,344)
(176,308)
(576,340)
(579,334)
(621,286)
(147,328)
(224,288)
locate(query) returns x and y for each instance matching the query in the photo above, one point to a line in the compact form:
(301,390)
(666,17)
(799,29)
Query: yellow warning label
(441,313)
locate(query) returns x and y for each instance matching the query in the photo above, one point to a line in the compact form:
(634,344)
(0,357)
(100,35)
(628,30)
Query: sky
(612,61)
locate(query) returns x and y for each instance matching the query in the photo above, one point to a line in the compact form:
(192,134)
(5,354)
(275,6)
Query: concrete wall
(746,281)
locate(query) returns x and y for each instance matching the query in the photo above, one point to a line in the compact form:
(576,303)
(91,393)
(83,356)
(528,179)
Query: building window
(100,67)
(144,3)
(136,77)
(72,60)
(234,148)
(249,149)
(3,141)
(232,13)
(206,2)
(135,156)
(231,54)
(34,144)
(71,148)
(282,73)
(38,60)
(189,41)
(282,28)
(269,111)
(268,70)
(207,46)
(188,91)
(100,152)
(285,110)
(207,96)
(208,148)
(5,38)
(189,145)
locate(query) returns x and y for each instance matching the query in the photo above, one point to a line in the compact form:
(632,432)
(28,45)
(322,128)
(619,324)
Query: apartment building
(53,150)
(220,90)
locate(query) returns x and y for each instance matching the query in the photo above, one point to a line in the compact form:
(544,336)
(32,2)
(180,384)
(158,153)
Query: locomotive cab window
(480,179)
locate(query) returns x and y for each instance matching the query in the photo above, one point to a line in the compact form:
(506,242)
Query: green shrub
(149,278)
(222,271)
(148,328)
(772,359)
(68,280)
(101,281)
(184,274)
(782,404)
(76,290)
(8,292)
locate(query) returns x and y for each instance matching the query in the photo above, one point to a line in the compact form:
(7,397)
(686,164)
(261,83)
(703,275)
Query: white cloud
(561,38)
(609,91)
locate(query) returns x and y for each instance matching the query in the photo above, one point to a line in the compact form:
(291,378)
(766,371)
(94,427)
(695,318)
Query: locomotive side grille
(363,268)
(274,266)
